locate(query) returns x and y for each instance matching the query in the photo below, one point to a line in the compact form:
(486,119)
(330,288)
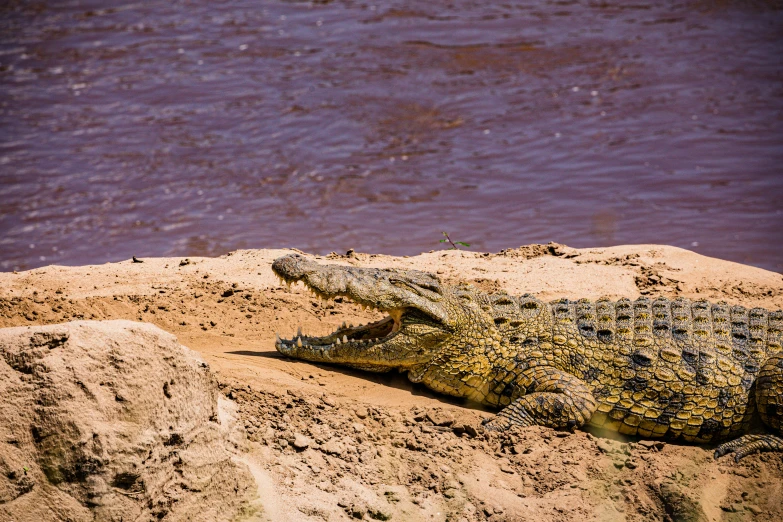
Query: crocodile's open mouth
(362,336)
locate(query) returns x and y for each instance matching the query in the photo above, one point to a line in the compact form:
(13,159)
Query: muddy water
(193,128)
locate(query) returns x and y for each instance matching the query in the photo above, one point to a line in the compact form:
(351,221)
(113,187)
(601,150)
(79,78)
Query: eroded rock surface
(113,420)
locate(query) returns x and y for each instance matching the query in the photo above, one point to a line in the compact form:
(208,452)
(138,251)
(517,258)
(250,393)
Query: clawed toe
(496,423)
(749,444)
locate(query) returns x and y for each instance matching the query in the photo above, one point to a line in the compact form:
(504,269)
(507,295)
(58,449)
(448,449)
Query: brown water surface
(193,128)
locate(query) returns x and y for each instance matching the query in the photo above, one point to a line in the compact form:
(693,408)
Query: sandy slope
(378,446)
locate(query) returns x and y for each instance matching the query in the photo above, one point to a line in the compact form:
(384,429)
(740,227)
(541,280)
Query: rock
(753,508)
(468,427)
(76,452)
(656,445)
(300,442)
(440,417)
(332,447)
(361,412)
(736,507)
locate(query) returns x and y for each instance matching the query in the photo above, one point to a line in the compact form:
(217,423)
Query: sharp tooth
(350,326)
(345,338)
(299,342)
(344,326)
(277,338)
(337,342)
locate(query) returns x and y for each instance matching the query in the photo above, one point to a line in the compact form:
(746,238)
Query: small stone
(753,508)
(329,401)
(505,468)
(733,508)
(300,442)
(468,428)
(440,418)
(361,413)
(283,443)
(656,445)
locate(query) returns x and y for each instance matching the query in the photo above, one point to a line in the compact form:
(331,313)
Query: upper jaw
(370,288)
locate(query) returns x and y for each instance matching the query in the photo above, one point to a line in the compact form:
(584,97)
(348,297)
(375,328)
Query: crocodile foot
(503,421)
(749,444)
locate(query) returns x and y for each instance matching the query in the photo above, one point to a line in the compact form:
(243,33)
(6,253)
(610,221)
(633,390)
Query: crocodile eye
(420,287)
(432,287)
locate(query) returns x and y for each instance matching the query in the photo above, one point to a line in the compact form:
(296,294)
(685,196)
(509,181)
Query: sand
(328,443)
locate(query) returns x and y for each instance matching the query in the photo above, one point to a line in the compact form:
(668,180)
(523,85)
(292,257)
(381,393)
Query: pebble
(440,418)
(652,444)
(301,442)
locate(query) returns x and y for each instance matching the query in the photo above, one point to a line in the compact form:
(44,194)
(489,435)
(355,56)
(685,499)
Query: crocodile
(677,369)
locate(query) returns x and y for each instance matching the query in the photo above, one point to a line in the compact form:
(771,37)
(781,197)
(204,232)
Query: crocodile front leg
(554,398)
(769,402)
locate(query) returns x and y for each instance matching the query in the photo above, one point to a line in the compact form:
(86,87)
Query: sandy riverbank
(378,446)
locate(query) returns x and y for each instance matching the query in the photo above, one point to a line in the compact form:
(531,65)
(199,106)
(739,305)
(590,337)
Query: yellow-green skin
(678,369)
